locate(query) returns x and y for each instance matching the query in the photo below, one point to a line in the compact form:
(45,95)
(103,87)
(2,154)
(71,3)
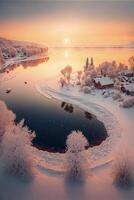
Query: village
(116,80)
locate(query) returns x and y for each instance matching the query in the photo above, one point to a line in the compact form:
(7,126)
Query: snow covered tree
(63,72)
(131,62)
(66,72)
(7,118)
(1,58)
(87,81)
(17,159)
(68,69)
(121,67)
(76,156)
(79,74)
(62,82)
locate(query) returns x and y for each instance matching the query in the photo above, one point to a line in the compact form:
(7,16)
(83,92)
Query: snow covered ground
(99,182)
(49,182)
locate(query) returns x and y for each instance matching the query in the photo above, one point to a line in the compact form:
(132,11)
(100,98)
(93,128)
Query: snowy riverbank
(49,180)
(14,52)
(18,60)
(118,121)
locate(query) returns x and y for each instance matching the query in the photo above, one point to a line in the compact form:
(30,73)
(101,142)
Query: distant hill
(19,49)
(14,43)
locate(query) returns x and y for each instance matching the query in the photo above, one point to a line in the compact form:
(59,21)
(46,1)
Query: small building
(128,89)
(103,82)
(127,73)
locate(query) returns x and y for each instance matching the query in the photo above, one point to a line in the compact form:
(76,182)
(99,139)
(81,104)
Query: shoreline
(118,121)
(105,149)
(18,60)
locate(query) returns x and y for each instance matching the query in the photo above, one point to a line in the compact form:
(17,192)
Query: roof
(104,81)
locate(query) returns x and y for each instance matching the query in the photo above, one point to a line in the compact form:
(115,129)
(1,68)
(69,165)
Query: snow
(74,96)
(118,121)
(119,124)
(129,87)
(49,181)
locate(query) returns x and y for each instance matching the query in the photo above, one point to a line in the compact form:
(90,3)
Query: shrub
(128,103)
(116,96)
(86,90)
(16,158)
(76,156)
(7,118)
(123,172)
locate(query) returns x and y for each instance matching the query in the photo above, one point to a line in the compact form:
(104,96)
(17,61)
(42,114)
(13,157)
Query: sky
(67,22)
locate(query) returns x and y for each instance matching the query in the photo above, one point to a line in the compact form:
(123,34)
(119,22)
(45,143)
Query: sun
(66,40)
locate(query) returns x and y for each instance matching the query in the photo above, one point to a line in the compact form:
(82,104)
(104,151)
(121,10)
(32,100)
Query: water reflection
(70,109)
(66,54)
(34,63)
(67,107)
(27,63)
(88,115)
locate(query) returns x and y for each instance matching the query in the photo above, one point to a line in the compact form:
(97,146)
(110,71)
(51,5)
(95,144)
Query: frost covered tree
(79,74)
(76,156)
(121,67)
(1,58)
(88,81)
(17,159)
(62,81)
(131,62)
(66,72)
(7,118)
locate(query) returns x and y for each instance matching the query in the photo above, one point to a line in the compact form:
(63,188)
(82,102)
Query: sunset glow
(66,40)
(66,99)
(92,25)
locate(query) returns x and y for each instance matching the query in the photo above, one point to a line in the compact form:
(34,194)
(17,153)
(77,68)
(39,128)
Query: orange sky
(79,27)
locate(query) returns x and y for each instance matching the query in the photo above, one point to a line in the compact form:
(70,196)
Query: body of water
(53,120)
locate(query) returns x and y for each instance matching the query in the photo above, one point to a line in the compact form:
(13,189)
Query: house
(103,82)
(127,73)
(128,89)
